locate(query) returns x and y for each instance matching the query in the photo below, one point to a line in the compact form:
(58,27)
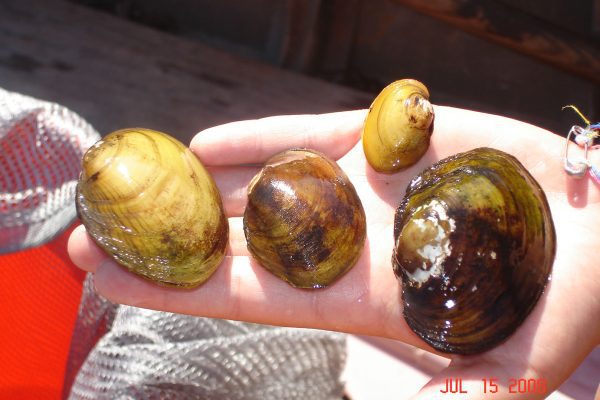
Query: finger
(254,141)
(242,290)
(540,151)
(233,186)
(86,254)
(363,301)
(83,251)
(457,130)
(237,240)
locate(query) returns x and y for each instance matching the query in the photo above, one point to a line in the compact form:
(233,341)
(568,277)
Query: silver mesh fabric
(156,355)
(121,352)
(41,145)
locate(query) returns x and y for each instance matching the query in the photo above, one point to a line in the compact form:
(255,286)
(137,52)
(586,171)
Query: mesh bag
(41,145)
(122,352)
(156,355)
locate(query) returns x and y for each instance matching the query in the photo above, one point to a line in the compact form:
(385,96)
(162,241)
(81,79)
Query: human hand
(562,329)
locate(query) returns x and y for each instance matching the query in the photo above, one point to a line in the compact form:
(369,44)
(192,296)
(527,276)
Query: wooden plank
(298,34)
(338,25)
(566,14)
(460,69)
(596,19)
(117,74)
(517,30)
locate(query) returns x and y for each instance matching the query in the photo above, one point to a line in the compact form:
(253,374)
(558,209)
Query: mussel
(474,248)
(149,203)
(304,221)
(398,126)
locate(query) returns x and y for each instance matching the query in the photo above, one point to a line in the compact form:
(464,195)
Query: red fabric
(40,291)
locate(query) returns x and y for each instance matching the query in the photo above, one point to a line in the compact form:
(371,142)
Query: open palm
(562,329)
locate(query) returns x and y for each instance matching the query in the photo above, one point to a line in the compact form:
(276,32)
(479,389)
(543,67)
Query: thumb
(479,378)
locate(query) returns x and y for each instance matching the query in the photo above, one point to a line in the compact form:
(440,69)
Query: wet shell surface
(304,221)
(474,248)
(147,201)
(398,126)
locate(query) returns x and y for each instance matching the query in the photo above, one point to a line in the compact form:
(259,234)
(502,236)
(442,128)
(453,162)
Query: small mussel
(149,203)
(474,248)
(398,126)
(304,221)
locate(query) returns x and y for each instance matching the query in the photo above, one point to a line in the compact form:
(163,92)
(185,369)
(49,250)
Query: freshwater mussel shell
(398,126)
(474,248)
(304,221)
(148,202)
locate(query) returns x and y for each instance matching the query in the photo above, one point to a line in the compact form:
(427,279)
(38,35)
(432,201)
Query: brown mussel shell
(474,248)
(398,126)
(149,203)
(304,221)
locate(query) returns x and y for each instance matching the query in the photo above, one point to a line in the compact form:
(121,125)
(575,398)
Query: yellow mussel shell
(398,126)
(149,203)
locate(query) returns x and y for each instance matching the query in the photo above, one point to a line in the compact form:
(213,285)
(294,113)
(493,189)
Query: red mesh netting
(41,145)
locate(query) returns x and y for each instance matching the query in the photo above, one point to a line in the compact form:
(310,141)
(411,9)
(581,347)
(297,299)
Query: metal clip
(584,137)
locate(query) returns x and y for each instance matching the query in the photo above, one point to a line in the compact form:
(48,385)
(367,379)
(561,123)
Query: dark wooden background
(521,59)
(118,74)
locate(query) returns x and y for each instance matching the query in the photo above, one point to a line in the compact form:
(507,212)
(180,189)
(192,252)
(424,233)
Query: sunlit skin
(562,329)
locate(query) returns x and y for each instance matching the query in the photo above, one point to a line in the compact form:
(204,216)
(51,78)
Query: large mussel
(304,221)
(398,126)
(149,203)
(474,247)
